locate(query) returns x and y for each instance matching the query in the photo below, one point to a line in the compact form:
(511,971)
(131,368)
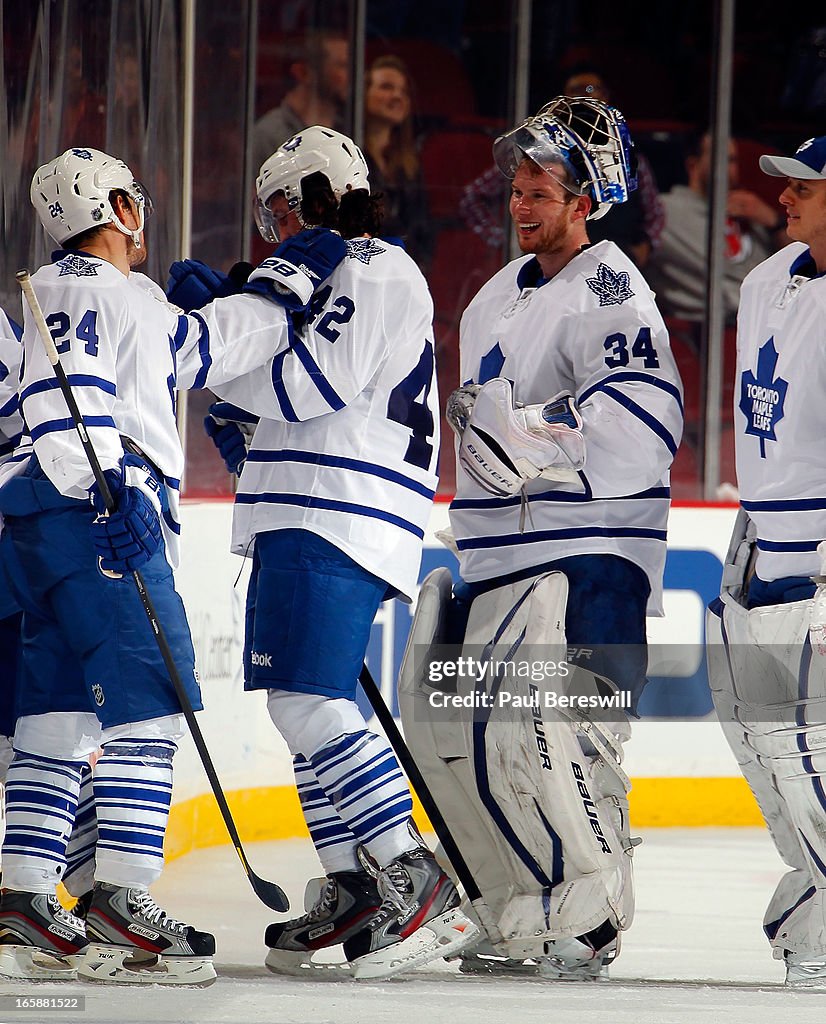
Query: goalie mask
(311,150)
(582,143)
(72,194)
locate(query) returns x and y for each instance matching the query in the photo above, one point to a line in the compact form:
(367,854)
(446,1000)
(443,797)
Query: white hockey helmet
(585,137)
(311,150)
(71,194)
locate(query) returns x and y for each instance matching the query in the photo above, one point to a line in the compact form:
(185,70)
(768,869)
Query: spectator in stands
(754,229)
(321,77)
(635,225)
(392,156)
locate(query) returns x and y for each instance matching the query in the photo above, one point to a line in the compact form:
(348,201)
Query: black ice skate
(585,958)
(132,940)
(345,904)
(38,938)
(419,920)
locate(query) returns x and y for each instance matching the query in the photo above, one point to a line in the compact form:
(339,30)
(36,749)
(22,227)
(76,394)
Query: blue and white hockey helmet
(309,151)
(581,142)
(71,194)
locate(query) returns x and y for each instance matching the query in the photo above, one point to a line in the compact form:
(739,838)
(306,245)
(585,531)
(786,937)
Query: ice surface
(695,953)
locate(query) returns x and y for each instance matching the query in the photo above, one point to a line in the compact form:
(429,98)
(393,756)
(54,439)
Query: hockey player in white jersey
(332,503)
(92,673)
(767,635)
(568,419)
(11,427)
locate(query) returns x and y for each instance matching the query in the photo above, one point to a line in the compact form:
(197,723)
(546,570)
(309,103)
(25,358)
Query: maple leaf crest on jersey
(612,288)
(78,267)
(363,249)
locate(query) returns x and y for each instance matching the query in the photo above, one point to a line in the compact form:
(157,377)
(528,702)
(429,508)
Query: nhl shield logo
(97,693)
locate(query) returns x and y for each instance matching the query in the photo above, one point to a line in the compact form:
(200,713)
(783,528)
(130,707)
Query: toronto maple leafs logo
(491,364)
(82,154)
(77,266)
(611,287)
(363,249)
(762,396)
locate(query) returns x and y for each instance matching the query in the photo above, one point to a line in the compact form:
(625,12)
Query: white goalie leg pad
(723,672)
(780,705)
(788,911)
(757,774)
(534,795)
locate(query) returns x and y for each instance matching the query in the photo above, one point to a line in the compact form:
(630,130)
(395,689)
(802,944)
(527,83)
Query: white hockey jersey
(348,442)
(594,331)
(125,350)
(780,413)
(11,421)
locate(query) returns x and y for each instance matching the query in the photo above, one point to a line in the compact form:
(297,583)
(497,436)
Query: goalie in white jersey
(332,503)
(568,420)
(767,634)
(92,673)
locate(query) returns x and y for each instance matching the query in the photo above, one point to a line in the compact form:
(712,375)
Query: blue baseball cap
(809,161)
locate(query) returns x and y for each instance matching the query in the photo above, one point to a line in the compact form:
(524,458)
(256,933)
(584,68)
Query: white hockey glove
(817,622)
(502,447)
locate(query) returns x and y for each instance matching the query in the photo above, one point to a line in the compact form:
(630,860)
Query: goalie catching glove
(297,267)
(502,447)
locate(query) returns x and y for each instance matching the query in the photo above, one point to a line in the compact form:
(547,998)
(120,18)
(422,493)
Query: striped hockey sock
(80,853)
(41,802)
(334,842)
(133,790)
(363,781)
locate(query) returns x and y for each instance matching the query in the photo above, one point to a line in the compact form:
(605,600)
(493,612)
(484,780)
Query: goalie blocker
(536,798)
(503,445)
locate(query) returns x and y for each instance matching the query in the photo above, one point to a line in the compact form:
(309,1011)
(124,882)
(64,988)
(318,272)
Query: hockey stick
(268,892)
(440,826)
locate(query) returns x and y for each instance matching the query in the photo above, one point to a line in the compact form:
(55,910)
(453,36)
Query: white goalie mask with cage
(582,143)
(309,151)
(71,194)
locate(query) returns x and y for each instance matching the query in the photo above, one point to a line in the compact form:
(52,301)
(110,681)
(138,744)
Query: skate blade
(35,964)
(441,936)
(551,971)
(296,964)
(131,966)
(475,963)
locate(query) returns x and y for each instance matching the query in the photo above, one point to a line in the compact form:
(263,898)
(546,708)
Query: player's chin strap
(134,233)
(502,447)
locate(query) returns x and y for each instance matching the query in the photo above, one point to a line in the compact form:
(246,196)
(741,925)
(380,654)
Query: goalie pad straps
(503,448)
